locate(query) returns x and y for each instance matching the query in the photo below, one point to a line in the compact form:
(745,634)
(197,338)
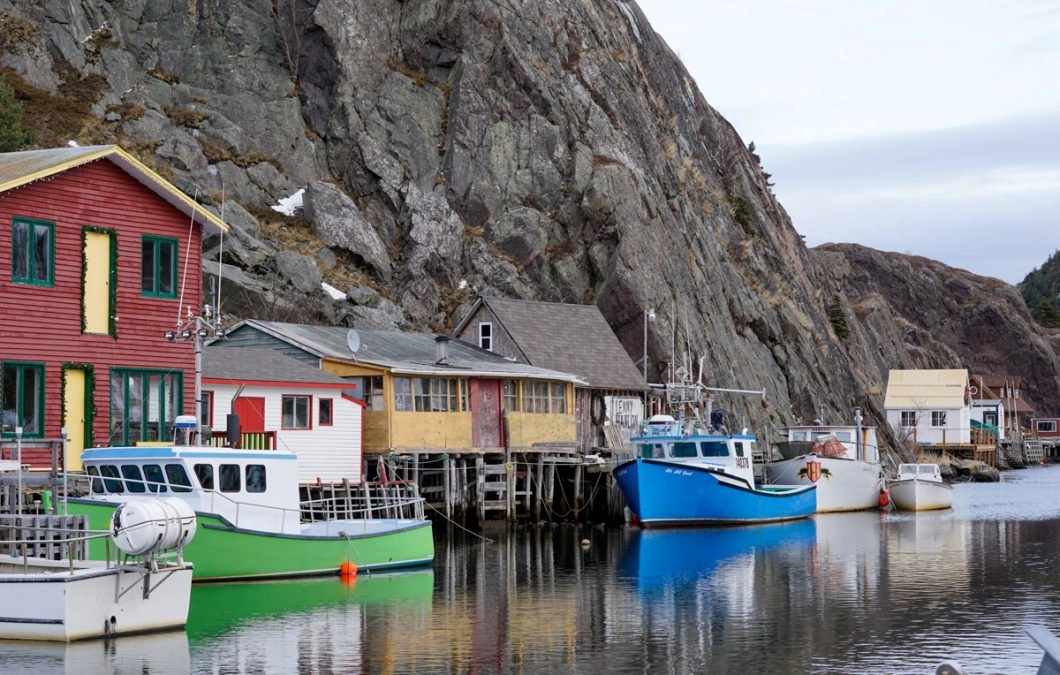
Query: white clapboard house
(285,404)
(930,407)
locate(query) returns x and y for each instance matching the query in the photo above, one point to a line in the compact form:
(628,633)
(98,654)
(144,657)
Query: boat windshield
(715,449)
(684,449)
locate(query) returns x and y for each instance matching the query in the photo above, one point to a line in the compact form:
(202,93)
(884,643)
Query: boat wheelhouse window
(229,478)
(714,449)
(97,484)
(845,436)
(204,472)
(652,450)
(798,436)
(110,478)
(255,478)
(684,450)
(155,478)
(134,480)
(739,449)
(178,478)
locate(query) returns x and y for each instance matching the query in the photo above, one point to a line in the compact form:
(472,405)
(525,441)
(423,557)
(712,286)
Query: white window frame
(485,336)
(938,418)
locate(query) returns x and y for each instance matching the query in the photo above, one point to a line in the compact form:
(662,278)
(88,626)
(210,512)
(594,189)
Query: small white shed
(930,407)
(311,412)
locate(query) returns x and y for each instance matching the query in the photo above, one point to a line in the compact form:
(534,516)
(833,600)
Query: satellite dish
(353,340)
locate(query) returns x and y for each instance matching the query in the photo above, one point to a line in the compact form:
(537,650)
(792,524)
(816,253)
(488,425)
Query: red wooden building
(101,256)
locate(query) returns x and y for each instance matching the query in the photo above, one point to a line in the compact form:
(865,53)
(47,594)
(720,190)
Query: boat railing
(343,501)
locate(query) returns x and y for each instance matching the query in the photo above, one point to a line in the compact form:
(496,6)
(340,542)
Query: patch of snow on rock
(288,205)
(331,290)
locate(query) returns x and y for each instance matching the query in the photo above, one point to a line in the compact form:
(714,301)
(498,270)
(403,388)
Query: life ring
(596,409)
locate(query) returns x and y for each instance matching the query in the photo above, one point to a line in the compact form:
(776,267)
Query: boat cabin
(252,489)
(845,441)
(928,472)
(668,440)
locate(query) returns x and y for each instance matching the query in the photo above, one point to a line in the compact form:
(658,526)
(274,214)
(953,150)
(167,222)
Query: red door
(486,426)
(251,411)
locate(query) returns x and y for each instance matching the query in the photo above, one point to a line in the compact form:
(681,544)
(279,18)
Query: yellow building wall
(389,429)
(525,429)
(431,430)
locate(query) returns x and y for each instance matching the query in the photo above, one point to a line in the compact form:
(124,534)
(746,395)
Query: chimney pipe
(441,350)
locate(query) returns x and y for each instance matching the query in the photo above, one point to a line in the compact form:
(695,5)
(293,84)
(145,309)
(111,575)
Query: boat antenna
(220,255)
(187,257)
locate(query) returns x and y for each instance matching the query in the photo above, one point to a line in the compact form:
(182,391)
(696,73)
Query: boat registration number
(679,472)
(743,462)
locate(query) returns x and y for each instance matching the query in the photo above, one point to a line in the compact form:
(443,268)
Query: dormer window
(485,336)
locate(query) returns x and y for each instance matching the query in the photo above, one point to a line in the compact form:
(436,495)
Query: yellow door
(97,291)
(75,404)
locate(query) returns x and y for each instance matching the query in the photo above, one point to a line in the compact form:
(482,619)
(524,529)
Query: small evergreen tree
(838,318)
(1046,315)
(12,136)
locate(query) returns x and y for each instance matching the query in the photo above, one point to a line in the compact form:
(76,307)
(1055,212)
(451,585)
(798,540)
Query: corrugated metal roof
(21,168)
(571,338)
(243,364)
(404,353)
(924,389)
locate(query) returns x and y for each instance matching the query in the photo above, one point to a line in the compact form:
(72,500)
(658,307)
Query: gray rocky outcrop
(553,151)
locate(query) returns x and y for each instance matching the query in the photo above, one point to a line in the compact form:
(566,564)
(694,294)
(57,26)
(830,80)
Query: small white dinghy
(919,487)
(144,586)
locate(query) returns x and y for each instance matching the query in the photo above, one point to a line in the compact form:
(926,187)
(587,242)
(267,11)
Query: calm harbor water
(843,593)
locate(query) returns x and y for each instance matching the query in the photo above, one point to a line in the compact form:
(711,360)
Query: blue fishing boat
(691,474)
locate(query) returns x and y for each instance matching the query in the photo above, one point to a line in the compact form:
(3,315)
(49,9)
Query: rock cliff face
(549,150)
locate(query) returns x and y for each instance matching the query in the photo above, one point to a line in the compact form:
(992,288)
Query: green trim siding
(158,267)
(16,416)
(26,270)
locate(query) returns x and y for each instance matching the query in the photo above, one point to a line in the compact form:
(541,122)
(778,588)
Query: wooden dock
(547,485)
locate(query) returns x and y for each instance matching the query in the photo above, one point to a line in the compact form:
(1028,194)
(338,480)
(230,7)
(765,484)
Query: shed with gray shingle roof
(570,338)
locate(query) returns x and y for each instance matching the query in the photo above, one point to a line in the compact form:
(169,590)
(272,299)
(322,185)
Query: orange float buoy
(348,569)
(885,497)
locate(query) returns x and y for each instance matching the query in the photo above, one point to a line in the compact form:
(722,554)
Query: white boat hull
(842,484)
(46,600)
(915,494)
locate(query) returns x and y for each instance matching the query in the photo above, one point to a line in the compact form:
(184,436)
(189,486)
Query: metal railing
(343,501)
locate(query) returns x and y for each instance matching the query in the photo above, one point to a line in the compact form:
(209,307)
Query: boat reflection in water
(142,654)
(319,624)
(660,559)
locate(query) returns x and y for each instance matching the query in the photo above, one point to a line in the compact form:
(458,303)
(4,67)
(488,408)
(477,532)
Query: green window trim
(112,327)
(26,270)
(13,382)
(158,253)
(128,421)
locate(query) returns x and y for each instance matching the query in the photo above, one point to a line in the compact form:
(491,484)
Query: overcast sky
(927,127)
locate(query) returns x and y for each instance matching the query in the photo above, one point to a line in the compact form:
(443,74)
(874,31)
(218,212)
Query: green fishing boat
(250,521)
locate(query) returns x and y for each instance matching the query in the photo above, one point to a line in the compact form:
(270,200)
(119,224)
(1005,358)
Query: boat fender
(348,569)
(146,526)
(885,497)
